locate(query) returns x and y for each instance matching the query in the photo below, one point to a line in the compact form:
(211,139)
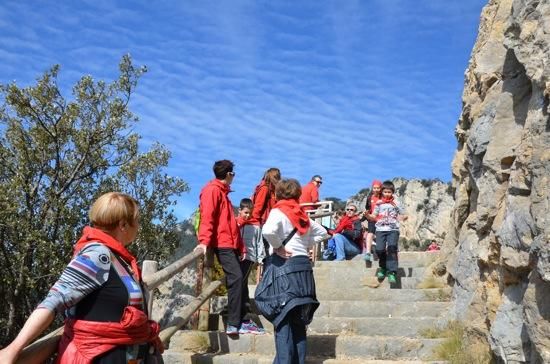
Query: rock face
(428,203)
(498,247)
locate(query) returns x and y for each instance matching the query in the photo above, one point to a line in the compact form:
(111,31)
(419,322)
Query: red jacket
(310,194)
(82,341)
(264,200)
(346,223)
(218,227)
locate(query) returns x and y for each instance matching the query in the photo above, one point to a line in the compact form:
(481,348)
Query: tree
(56,157)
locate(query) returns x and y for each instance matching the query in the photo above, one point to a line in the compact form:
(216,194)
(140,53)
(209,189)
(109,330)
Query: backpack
(196,218)
(356,234)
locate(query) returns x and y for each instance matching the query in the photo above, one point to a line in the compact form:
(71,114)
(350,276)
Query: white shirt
(278,227)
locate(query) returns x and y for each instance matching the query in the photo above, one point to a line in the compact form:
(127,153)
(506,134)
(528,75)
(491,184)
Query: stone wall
(497,249)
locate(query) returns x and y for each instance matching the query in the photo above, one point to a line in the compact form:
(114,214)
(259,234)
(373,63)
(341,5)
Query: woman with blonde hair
(100,294)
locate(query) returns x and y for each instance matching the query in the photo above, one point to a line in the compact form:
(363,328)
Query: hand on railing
(201,247)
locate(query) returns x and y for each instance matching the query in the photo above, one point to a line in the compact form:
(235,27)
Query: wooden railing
(45,347)
(319,212)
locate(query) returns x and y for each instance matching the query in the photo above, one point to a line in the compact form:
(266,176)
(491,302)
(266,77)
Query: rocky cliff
(428,203)
(498,247)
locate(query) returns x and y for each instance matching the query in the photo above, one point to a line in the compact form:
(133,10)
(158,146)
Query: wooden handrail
(153,281)
(185,315)
(321,214)
(42,349)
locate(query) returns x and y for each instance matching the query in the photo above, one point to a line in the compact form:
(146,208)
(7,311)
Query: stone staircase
(360,320)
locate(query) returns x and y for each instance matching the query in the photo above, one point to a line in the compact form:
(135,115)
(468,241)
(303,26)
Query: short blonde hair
(113,207)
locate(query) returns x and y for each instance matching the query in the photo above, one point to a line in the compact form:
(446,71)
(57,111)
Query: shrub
(459,346)
(404,243)
(430,282)
(414,243)
(419,207)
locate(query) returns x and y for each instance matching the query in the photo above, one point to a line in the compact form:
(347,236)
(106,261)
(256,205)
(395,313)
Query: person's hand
(243,257)
(283,252)
(201,247)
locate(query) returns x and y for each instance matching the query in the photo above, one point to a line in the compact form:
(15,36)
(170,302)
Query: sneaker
(250,327)
(367,257)
(232,330)
(381,273)
(392,278)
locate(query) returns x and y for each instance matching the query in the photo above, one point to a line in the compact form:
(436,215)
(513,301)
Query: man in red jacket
(310,192)
(218,230)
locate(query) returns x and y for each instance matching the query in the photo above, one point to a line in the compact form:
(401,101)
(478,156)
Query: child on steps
(387,214)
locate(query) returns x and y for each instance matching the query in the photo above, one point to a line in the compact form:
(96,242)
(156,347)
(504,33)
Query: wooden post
(204,310)
(149,268)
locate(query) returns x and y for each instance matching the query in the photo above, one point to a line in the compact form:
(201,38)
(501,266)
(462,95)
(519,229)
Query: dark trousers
(290,339)
(386,249)
(229,261)
(246,267)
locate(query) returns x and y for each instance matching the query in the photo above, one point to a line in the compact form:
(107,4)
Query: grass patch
(441,295)
(445,332)
(430,282)
(459,347)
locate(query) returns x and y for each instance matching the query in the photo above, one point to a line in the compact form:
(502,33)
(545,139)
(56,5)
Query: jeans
(290,339)
(386,249)
(345,247)
(229,261)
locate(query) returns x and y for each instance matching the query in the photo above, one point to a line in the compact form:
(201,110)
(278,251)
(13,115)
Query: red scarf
(292,210)
(90,234)
(387,200)
(82,341)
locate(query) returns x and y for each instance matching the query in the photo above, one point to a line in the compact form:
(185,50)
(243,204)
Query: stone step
(339,280)
(365,293)
(375,309)
(372,326)
(406,259)
(211,358)
(336,293)
(357,273)
(327,346)
(386,321)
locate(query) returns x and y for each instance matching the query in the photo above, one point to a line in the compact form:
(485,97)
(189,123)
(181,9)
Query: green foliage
(419,207)
(337,203)
(57,156)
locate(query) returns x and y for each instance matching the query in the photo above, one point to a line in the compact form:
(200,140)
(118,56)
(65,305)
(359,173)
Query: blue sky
(350,90)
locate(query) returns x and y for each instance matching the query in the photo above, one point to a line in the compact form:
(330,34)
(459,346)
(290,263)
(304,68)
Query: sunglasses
(231,173)
(319,182)
(351,210)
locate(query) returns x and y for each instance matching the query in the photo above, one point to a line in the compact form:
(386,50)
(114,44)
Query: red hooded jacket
(218,227)
(264,200)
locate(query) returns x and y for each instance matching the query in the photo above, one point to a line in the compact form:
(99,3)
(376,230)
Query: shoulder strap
(289,236)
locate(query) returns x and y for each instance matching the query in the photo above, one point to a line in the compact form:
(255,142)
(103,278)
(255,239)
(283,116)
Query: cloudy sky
(350,90)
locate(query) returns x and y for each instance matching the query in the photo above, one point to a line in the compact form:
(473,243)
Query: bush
(404,244)
(419,207)
(459,346)
(415,244)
